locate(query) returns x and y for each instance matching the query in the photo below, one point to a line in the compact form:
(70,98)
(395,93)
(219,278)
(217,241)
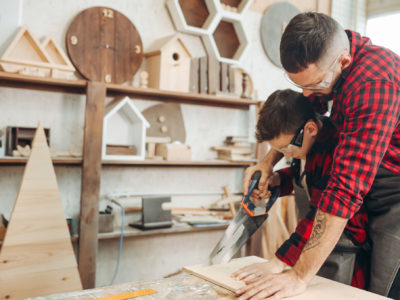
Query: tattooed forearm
(317,231)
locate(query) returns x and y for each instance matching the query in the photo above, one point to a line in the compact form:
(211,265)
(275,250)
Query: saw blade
(236,235)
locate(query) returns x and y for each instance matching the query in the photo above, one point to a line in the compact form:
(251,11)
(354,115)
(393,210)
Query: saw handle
(248,205)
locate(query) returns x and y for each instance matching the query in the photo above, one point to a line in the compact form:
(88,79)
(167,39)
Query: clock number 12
(108,13)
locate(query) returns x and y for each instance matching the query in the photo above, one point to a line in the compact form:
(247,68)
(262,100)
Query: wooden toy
(124,131)
(168,64)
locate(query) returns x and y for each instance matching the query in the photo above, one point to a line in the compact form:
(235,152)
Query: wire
(120,240)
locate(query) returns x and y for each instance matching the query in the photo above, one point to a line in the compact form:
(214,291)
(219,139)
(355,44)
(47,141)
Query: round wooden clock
(104,45)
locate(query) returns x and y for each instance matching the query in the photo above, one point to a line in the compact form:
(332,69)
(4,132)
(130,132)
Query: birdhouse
(124,131)
(168,64)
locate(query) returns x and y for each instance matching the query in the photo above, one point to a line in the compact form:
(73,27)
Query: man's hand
(254,271)
(273,286)
(265,167)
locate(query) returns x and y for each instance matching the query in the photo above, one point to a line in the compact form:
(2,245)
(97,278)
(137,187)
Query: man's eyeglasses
(324,84)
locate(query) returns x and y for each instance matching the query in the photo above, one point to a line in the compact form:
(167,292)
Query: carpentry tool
(248,219)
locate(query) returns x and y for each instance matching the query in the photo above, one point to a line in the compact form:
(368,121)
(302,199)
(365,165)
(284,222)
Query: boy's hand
(273,180)
(266,172)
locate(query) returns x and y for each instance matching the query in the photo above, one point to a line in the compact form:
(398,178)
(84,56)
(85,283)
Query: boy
(289,124)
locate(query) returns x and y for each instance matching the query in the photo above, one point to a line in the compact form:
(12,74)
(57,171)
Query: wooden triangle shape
(55,53)
(25,48)
(37,257)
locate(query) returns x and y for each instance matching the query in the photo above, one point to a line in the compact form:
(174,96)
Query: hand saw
(248,219)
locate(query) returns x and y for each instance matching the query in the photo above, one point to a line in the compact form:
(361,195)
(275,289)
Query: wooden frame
(178,14)
(137,130)
(218,44)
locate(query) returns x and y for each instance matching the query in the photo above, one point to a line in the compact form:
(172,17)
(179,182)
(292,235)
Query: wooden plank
(194,75)
(213,75)
(91,172)
(37,256)
(203,75)
(224,78)
(159,163)
(319,287)
(220,274)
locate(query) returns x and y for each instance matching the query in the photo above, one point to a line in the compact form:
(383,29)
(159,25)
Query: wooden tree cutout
(37,257)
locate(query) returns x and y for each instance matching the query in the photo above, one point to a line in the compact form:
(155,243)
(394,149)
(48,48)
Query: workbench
(180,286)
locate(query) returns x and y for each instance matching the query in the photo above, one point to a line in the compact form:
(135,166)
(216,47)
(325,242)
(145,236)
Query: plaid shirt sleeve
(371,113)
(291,249)
(286,175)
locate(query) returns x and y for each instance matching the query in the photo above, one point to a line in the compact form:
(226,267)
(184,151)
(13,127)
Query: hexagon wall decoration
(217,22)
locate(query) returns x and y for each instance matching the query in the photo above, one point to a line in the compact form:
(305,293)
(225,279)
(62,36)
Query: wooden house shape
(64,69)
(26,56)
(124,131)
(37,258)
(168,64)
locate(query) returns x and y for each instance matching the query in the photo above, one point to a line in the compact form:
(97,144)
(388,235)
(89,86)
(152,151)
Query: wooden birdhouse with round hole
(168,64)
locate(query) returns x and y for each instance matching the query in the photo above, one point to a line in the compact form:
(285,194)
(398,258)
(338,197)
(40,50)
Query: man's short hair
(308,38)
(283,112)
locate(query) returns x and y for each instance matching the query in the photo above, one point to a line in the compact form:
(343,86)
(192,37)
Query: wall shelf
(12,161)
(133,232)
(160,163)
(57,161)
(79,86)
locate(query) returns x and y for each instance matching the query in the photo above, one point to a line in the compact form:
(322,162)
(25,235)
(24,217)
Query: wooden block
(120,150)
(231,79)
(319,287)
(194,75)
(203,75)
(224,77)
(175,152)
(37,258)
(213,75)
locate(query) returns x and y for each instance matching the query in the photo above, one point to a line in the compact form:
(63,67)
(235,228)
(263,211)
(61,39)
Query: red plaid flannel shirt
(318,169)
(366,112)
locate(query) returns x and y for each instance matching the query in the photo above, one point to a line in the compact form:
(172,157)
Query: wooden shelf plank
(160,163)
(56,161)
(133,232)
(169,96)
(45,84)
(79,86)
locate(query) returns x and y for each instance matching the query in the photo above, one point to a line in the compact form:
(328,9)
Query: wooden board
(91,172)
(104,45)
(37,256)
(319,287)
(203,69)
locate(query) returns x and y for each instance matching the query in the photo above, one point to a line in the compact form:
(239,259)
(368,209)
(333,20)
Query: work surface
(185,286)
(181,286)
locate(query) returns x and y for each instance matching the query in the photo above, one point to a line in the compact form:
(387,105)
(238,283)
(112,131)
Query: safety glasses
(295,143)
(325,83)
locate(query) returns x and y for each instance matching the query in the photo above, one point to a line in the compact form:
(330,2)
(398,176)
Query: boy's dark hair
(306,39)
(283,112)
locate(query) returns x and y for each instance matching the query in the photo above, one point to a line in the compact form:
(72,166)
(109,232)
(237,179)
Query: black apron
(383,205)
